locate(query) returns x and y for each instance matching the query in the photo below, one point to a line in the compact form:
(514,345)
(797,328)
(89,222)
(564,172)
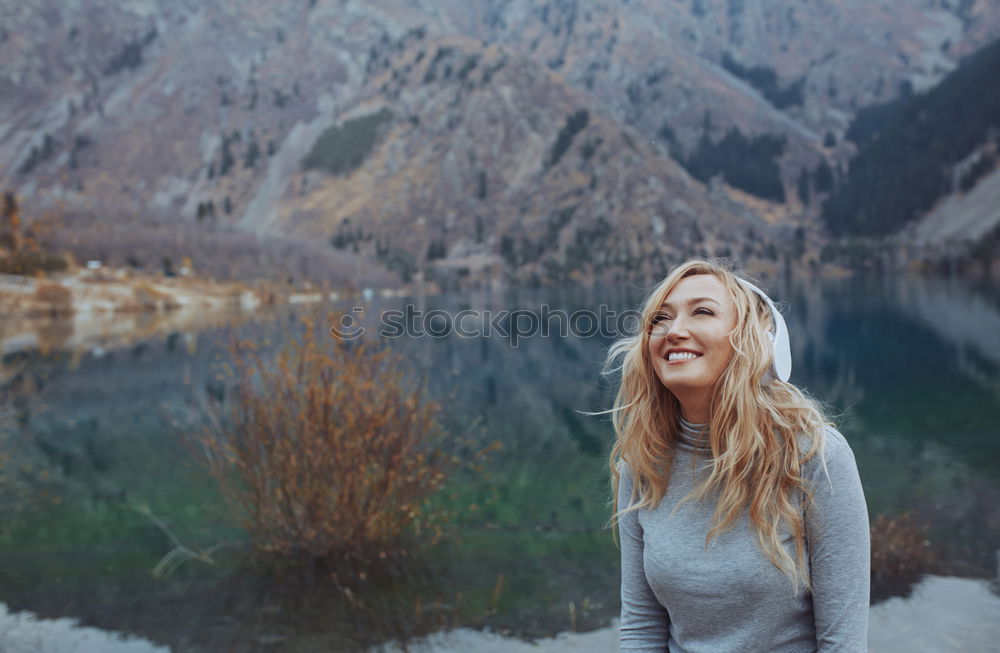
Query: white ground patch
(961,217)
(941,616)
(22,632)
(933,63)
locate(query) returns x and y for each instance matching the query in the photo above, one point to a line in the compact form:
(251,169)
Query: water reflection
(911,368)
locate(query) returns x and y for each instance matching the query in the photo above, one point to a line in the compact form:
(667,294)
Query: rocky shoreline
(942,615)
(113,307)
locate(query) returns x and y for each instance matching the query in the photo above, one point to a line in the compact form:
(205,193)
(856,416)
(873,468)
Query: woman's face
(689,342)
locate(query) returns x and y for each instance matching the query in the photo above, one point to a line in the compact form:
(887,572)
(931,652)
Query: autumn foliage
(21,249)
(901,555)
(329,453)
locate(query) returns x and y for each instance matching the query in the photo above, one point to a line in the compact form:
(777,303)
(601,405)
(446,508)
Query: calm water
(910,368)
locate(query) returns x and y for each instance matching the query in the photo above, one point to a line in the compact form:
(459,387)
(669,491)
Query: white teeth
(681,355)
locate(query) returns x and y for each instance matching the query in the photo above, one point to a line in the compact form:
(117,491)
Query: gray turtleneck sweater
(680,597)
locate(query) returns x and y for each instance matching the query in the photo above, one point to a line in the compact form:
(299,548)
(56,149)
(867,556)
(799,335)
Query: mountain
(930,177)
(461,142)
(495,163)
(912,163)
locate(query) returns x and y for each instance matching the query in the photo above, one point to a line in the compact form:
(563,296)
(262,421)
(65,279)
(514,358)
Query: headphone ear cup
(781,367)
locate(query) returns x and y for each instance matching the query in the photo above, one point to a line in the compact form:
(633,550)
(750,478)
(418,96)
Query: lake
(910,370)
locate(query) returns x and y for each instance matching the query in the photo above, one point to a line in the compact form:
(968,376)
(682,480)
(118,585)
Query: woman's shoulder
(625,477)
(626,483)
(833,457)
(835,444)
(830,439)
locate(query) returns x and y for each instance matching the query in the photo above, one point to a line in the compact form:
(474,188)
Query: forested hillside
(910,165)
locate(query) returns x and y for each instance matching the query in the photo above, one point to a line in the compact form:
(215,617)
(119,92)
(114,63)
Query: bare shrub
(328,455)
(22,250)
(901,555)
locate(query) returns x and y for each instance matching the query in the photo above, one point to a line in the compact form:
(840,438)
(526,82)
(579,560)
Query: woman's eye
(660,317)
(703,311)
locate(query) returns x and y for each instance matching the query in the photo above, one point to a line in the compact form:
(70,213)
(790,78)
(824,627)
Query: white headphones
(781,367)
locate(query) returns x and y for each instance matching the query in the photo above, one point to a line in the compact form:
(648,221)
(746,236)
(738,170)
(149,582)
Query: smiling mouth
(681,356)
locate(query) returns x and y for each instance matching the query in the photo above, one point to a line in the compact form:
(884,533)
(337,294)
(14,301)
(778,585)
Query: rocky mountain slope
(486,140)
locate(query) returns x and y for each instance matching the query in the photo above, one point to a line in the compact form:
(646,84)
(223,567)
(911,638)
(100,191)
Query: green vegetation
(489,71)
(38,154)
(765,80)
(252,153)
(346,237)
(573,125)
(80,142)
(803,186)
(871,120)
(401,262)
(442,53)
(342,148)
(824,177)
(436,250)
(749,164)
(481,188)
(667,133)
(589,147)
(205,209)
(226,159)
(907,167)
(281,99)
(518,251)
(130,56)
(470,63)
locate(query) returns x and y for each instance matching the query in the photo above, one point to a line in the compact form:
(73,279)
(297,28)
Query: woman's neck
(699,415)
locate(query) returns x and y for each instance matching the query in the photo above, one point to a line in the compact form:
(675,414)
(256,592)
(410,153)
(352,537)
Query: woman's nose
(678,329)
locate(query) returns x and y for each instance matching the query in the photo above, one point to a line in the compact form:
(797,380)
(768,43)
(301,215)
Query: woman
(742,521)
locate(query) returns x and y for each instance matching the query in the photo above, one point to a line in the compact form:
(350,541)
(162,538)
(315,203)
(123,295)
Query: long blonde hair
(755,427)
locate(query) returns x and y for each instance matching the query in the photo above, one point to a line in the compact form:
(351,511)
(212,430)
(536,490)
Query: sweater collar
(693,436)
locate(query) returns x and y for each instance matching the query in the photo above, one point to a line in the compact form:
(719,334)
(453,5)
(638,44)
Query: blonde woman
(741,517)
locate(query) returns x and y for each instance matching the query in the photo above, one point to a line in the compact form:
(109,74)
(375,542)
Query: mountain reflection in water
(910,368)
